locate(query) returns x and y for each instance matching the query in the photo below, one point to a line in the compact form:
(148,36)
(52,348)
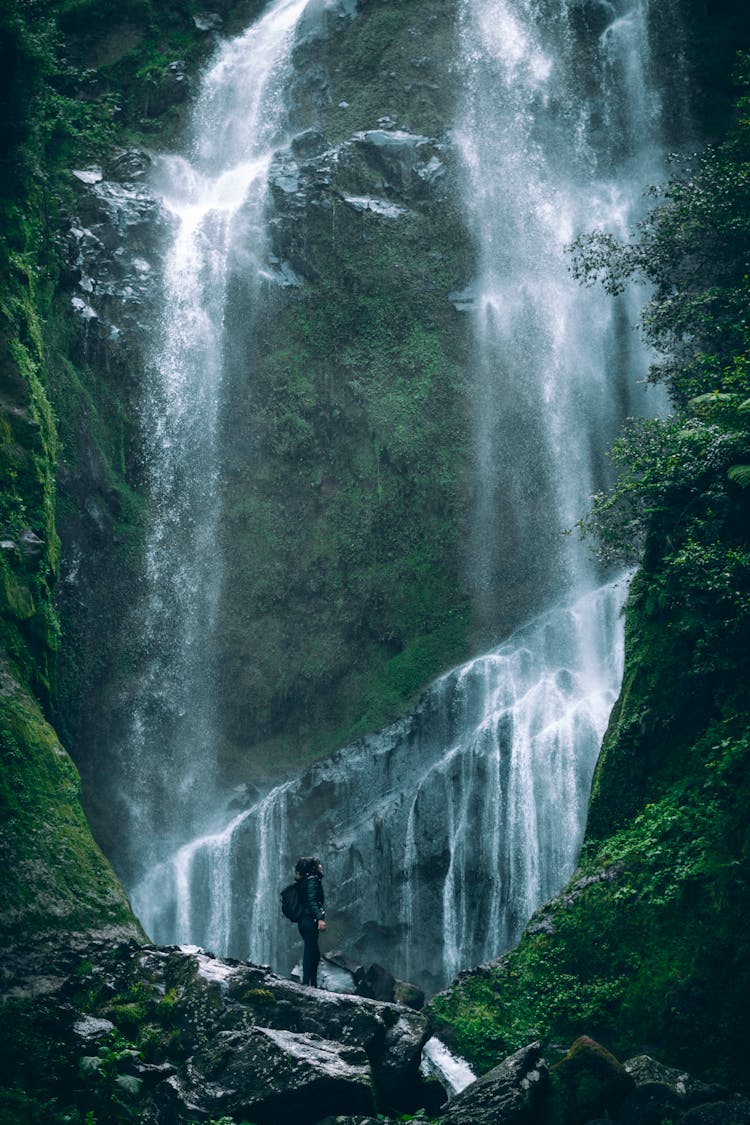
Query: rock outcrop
(194,1037)
(516,1091)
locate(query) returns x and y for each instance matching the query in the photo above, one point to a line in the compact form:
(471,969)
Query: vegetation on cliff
(647,946)
(54,876)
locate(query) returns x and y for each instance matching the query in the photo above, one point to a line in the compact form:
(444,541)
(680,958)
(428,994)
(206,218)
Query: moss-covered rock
(56,883)
(590,1082)
(56,886)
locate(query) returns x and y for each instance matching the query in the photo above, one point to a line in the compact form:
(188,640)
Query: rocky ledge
(179,1036)
(176,1036)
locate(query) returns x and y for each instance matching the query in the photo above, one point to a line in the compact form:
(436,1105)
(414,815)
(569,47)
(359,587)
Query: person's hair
(308,865)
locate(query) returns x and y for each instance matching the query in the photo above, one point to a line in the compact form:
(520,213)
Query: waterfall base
(439,836)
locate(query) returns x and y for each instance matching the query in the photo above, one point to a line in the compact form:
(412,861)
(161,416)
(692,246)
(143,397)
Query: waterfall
(441,835)
(215,199)
(558,133)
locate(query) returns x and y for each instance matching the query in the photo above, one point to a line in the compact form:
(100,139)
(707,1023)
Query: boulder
(89,1028)
(227,1012)
(651,1103)
(591,1082)
(377,984)
(270,1077)
(409,995)
(688,1090)
(735,1111)
(513,1093)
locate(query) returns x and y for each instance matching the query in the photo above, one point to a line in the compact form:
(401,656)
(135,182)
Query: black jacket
(313,899)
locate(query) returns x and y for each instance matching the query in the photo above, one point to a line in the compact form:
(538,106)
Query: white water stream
(441,835)
(216,198)
(559,133)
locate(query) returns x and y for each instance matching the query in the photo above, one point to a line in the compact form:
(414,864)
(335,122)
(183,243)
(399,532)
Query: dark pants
(308,927)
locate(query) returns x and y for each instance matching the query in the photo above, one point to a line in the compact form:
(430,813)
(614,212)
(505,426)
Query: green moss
(55,878)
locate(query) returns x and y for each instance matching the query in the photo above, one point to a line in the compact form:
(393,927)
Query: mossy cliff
(54,876)
(348,445)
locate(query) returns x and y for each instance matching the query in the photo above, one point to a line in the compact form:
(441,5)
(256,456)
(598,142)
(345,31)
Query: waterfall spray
(215,199)
(558,132)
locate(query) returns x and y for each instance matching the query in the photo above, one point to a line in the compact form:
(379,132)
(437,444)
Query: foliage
(682,492)
(111,1088)
(694,250)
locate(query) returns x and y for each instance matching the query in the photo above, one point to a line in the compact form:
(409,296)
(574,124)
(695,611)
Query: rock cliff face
(56,885)
(507,742)
(344,417)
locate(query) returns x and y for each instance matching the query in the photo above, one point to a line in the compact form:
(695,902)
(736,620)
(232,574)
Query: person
(308,871)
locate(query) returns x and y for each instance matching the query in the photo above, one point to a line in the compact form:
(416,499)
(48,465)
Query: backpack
(291,904)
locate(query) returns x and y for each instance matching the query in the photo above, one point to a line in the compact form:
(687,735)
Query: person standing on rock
(308,872)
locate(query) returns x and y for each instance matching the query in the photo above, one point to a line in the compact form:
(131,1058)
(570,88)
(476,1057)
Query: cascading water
(441,835)
(559,133)
(215,200)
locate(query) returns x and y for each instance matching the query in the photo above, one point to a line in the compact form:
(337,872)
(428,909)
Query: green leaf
(90,1064)
(129,1083)
(713,398)
(740,474)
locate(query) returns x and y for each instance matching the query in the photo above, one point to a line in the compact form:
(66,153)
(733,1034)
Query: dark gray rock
(407,161)
(89,1028)
(513,1092)
(128,164)
(348,1121)
(377,983)
(110,247)
(688,1090)
(409,994)
(269,1076)
(208,21)
(321,20)
(151,1074)
(31,544)
(221,1001)
(308,143)
(736,1111)
(651,1103)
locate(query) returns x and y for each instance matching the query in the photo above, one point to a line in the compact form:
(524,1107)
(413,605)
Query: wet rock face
(515,1091)
(113,248)
(345,384)
(113,244)
(269,1076)
(384,172)
(259,1047)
